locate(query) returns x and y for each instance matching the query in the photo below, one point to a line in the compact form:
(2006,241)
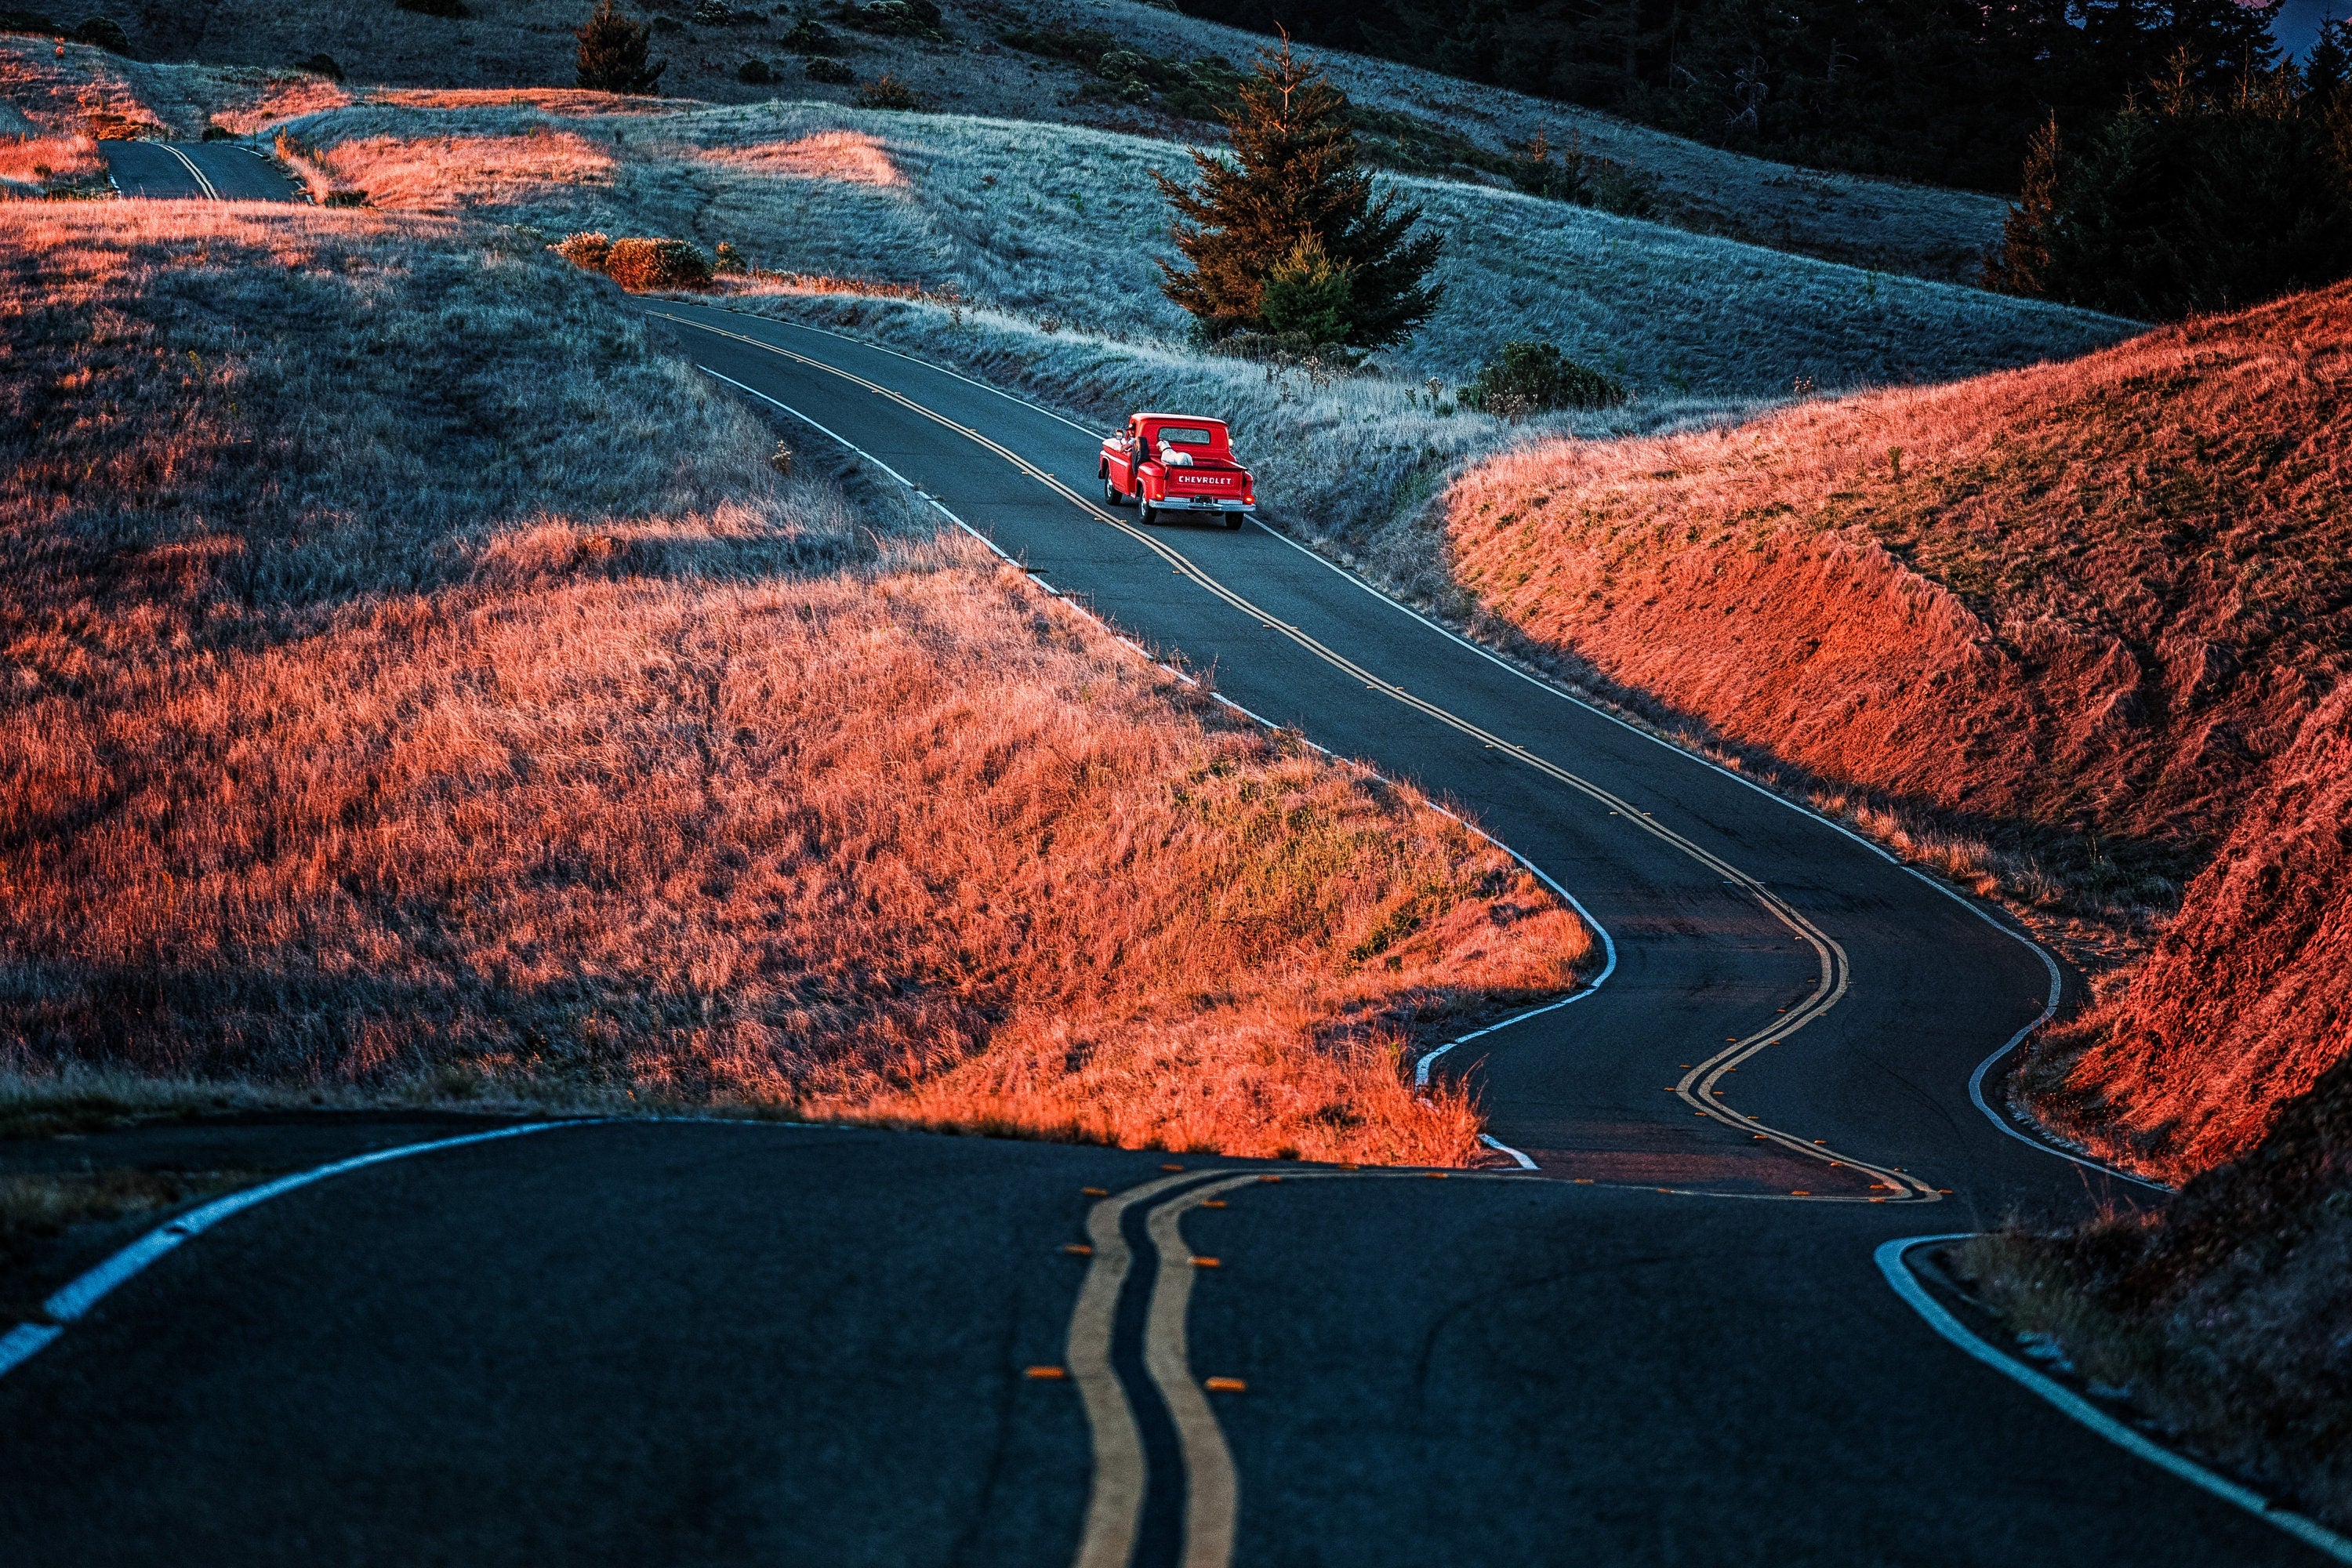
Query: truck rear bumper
(1202,503)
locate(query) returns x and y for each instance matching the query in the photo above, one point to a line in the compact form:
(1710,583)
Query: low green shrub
(1535,378)
(452,9)
(755,73)
(1307,295)
(1206,89)
(810,37)
(894,18)
(832,72)
(105,32)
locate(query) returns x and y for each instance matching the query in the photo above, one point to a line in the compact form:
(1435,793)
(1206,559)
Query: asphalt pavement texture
(732,1343)
(196,170)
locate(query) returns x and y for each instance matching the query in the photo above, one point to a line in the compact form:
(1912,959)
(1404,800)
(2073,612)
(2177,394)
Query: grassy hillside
(2078,633)
(2085,619)
(1063,225)
(1420,121)
(420,680)
(2247,998)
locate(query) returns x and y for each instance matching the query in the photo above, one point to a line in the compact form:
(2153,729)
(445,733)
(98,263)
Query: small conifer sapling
(1295,201)
(612,56)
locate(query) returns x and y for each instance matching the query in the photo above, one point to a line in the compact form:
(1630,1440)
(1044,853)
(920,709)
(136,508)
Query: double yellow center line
(1699,1086)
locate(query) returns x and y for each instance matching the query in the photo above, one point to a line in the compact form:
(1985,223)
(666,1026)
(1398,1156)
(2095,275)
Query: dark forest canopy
(1943,90)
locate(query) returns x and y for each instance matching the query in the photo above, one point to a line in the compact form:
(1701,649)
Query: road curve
(702,1342)
(196,170)
(1739,922)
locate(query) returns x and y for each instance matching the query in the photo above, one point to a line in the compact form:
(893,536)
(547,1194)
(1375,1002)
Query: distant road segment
(196,170)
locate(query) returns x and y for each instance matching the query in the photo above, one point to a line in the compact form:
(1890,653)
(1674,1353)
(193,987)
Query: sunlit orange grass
(276,98)
(2100,597)
(2028,593)
(548,761)
(822,283)
(62,95)
(36,160)
(449,173)
(551,99)
(846,155)
(2246,1000)
(911,846)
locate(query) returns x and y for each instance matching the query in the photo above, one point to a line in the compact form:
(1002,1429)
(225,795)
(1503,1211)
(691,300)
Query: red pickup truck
(1176,462)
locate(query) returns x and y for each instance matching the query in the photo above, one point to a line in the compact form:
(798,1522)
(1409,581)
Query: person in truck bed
(1164,463)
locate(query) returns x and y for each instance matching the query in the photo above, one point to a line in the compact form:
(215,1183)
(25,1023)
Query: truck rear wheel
(1233,522)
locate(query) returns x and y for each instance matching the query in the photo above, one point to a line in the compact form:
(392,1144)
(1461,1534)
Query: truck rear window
(1185,436)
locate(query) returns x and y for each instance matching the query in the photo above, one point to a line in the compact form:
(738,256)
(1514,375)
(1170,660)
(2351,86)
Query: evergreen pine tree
(612,56)
(1294,178)
(2328,67)
(2191,199)
(2022,265)
(2225,38)
(1307,295)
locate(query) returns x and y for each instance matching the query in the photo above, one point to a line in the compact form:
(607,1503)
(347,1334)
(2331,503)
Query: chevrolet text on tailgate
(1176,462)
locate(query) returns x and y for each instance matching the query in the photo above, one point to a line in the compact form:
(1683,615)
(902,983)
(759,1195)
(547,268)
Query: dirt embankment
(2067,630)
(417,677)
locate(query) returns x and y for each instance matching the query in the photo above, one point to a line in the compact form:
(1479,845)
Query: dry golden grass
(81,91)
(452,174)
(2085,610)
(247,106)
(827,155)
(416,669)
(499,52)
(2247,998)
(46,161)
(549,100)
(818,284)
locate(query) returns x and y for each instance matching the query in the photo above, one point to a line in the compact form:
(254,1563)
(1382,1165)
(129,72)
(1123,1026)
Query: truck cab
(1166,463)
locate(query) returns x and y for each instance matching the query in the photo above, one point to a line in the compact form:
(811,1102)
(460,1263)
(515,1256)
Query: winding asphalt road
(688,1343)
(196,170)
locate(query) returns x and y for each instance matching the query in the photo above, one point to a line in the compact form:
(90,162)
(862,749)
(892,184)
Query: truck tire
(1233,522)
(1112,494)
(1146,513)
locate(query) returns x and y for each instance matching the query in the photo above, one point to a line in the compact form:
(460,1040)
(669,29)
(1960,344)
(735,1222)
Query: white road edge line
(1976,1080)
(21,1344)
(1421,1070)
(1491,1142)
(2050,964)
(1889,1257)
(1976,1098)
(1833,961)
